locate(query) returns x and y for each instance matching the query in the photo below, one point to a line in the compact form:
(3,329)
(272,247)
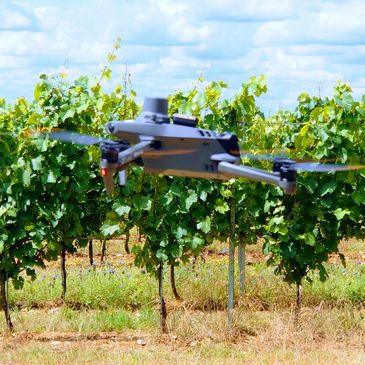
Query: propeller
(83,139)
(109,153)
(73,137)
(5,134)
(267,154)
(325,167)
(303,165)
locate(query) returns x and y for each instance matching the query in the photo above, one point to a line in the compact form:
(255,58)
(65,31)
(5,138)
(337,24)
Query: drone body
(181,148)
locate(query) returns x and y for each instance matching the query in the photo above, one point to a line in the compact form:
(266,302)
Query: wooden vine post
(4,298)
(163,311)
(91,253)
(63,273)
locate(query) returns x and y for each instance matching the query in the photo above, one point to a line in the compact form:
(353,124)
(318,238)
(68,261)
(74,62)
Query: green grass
(99,288)
(343,285)
(65,319)
(120,301)
(203,287)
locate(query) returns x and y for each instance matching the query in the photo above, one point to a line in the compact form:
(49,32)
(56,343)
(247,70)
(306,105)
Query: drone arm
(132,153)
(124,158)
(252,173)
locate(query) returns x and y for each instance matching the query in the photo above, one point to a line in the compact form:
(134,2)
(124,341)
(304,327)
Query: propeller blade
(73,137)
(268,154)
(259,157)
(319,167)
(272,151)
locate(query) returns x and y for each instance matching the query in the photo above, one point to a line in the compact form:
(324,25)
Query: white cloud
(358,87)
(342,21)
(331,23)
(177,17)
(30,43)
(48,16)
(255,9)
(13,20)
(16,83)
(276,62)
(91,52)
(137,69)
(13,62)
(233,10)
(175,62)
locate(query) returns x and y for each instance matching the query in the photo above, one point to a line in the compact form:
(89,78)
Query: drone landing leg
(122,177)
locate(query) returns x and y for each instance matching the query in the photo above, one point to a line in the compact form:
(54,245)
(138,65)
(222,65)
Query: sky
(300,46)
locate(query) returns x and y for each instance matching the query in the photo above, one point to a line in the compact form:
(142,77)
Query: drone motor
(288,174)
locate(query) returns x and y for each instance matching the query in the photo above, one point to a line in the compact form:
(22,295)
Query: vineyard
(54,208)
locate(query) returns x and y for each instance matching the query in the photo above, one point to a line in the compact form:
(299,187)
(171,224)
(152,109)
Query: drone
(175,146)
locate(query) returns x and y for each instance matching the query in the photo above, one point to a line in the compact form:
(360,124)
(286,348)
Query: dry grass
(325,336)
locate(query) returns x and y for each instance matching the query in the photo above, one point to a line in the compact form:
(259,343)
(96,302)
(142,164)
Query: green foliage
(52,196)
(304,229)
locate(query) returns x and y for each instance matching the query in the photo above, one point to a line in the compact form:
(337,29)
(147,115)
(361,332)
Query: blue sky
(298,45)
